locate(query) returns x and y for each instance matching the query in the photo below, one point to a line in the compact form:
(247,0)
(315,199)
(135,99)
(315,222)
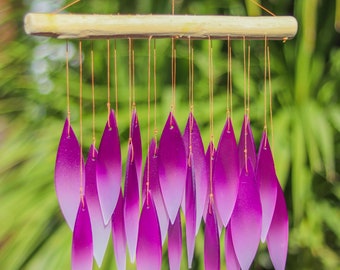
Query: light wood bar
(95,26)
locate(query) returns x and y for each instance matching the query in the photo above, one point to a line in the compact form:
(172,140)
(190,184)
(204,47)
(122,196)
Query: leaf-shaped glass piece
(68,174)
(100,231)
(175,243)
(118,233)
(277,237)
(249,144)
(109,168)
(199,165)
(149,245)
(267,182)
(131,204)
(211,241)
(230,256)
(155,188)
(82,247)
(226,173)
(246,219)
(190,211)
(172,167)
(137,144)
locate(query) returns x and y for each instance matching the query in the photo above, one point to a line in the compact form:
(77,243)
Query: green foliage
(306,112)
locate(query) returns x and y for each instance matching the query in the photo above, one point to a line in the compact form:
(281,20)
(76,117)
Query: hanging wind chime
(181,184)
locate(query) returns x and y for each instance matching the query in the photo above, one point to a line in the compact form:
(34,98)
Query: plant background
(306,111)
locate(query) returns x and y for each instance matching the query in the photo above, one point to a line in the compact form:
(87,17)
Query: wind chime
(229,187)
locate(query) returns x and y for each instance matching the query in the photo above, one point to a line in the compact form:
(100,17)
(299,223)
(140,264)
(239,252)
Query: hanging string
(155,92)
(93,103)
(68,91)
(173,76)
(191,94)
(229,85)
(81,120)
(211,103)
(116,78)
(265,84)
(108,104)
(130,83)
(262,7)
(270,101)
(246,122)
(149,112)
(248,84)
(67,6)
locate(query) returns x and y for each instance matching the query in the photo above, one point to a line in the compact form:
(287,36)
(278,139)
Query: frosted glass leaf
(211,241)
(277,237)
(175,243)
(251,149)
(137,145)
(245,223)
(226,173)
(149,244)
(67,175)
(155,188)
(131,205)
(100,231)
(172,167)
(267,182)
(190,211)
(230,256)
(109,168)
(82,247)
(200,166)
(211,151)
(118,233)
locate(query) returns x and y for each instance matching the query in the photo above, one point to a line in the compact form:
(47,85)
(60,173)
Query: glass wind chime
(181,185)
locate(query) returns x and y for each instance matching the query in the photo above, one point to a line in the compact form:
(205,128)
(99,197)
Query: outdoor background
(306,110)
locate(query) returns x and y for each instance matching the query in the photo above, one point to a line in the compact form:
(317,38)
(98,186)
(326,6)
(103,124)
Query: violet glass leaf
(172,167)
(277,237)
(267,182)
(251,149)
(109,168)
(190,211)
(137,144)
(155,188)
(211,241)
(200,165)
(82,247)
(175,243)
(118,233)
(149,245)
(245,223)
(226,173)
(67,175)
(100,231)
(230,256)
(211,152)
(131,204)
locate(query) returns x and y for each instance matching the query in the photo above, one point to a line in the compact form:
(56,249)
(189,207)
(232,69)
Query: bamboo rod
(85,26)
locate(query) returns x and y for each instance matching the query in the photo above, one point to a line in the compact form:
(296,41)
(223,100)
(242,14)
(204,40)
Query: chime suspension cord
(116,77)
(93,103)
(191,95)
(211,103)
(155,92)
(68,91)
(270,101)
(229,85)
(246,122)
(81,120)
(108,104)
(149,112)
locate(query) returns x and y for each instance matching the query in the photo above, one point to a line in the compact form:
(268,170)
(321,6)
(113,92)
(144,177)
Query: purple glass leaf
(230,256)
(82,247)
(118,233)
(109,168)
(226,173)
(100,231)
(277,237)
(67,175)
(199,165)
(131,205)
(251,149)
(149,245)
(211,241)
(209,155)
(175,243)
(172,167)
(137,144)
(267,182)
(245,223)
(190,211)
(155,188)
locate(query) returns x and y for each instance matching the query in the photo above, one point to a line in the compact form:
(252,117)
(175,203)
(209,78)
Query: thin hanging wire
(149,112)
(211,103)
(246,122)
(270,101)
(108,104)
(116,78)
(191,96)
(93,103)
(229,84)
(155,92)
(68,91)
(248,84)
(81,120)
(265,84)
